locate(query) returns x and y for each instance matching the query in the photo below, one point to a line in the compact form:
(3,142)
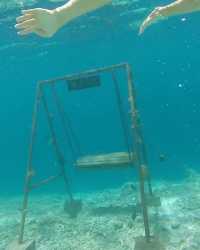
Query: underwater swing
(134,156)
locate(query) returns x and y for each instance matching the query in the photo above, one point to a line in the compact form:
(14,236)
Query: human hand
(42,22)
(155,15)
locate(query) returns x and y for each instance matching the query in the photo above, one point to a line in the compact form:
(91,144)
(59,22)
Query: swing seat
(117,159)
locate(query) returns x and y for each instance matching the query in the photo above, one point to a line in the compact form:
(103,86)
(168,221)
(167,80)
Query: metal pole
(141,145)
(142,148)
(122,115)
(138,140)
(85,74)
(65,124)
(30,170)
(57,150)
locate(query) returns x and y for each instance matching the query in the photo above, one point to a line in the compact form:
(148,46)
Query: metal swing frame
(140,158)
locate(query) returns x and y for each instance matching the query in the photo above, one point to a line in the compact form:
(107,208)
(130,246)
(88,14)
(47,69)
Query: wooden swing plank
(117,159)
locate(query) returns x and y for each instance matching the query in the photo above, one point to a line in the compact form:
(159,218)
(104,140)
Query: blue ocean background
(165,64)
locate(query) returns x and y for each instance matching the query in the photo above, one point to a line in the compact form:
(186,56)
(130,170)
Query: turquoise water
(165,64)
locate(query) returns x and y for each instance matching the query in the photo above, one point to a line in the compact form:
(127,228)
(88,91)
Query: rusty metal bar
(142,150)
(141,144)
(65,123)
(138,140)
(58,153)
(30,170)
(148,177)
(121,113)
(86,73)
(45,181)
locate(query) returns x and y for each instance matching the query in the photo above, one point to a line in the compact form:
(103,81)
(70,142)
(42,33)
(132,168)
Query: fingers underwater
(26,31)
(141,30)
(24,18)
(143,27)
(26,24)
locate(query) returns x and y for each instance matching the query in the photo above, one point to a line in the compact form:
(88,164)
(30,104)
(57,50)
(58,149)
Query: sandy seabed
(106,221)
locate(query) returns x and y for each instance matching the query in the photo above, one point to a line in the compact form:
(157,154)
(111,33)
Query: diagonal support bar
(45,181)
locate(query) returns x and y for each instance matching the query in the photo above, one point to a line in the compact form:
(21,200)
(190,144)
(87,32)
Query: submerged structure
(57,101)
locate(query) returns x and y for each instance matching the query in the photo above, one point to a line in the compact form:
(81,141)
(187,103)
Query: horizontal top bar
(85,73)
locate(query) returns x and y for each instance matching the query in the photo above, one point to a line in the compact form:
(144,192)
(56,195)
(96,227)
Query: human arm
(46,22)
(176,8)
